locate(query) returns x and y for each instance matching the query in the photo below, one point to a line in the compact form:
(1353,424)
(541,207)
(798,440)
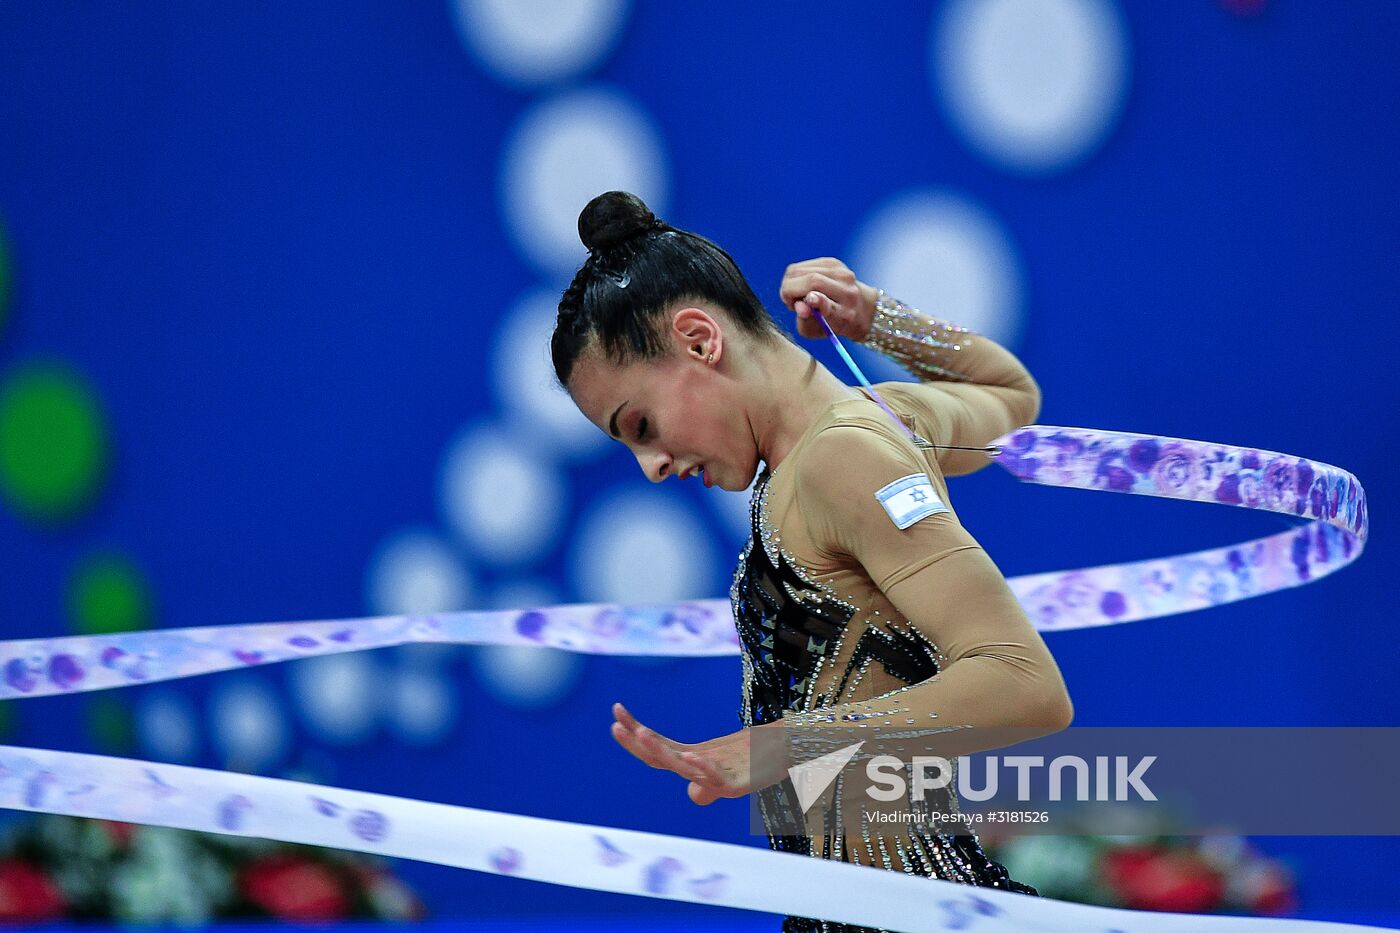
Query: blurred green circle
(107,593)
(53,444)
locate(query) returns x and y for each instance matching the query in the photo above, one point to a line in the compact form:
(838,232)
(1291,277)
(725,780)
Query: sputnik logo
(811,778)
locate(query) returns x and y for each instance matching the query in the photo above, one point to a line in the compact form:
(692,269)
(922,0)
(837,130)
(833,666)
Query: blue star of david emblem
(909,499)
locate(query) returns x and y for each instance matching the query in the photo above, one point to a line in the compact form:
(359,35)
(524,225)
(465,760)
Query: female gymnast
(859,593)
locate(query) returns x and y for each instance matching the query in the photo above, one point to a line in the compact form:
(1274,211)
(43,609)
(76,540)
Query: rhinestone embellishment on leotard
(779,608)
(921,344)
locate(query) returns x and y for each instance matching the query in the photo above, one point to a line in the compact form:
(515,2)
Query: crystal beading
(921,344)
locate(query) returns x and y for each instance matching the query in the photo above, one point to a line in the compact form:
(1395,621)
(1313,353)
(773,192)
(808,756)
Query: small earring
(710,358)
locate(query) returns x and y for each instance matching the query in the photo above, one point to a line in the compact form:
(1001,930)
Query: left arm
(997,672)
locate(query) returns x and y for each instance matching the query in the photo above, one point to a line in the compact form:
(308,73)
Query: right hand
(828,286)
(716,769)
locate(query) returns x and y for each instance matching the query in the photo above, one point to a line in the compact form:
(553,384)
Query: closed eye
(641,428)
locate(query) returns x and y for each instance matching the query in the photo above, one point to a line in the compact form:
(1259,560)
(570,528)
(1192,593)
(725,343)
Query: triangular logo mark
(811,778)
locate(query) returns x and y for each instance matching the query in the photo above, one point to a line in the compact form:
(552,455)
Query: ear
(698,335)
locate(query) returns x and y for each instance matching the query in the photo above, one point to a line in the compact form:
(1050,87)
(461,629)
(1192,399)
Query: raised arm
(973,388)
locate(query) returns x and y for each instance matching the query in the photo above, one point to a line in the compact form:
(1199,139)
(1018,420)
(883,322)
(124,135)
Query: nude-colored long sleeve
(974,388)
(998,672)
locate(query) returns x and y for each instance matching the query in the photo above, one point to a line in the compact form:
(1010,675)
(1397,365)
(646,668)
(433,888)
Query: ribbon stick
(851,364)
(574,854)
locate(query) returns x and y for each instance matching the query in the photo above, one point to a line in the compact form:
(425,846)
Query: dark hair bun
(612,218)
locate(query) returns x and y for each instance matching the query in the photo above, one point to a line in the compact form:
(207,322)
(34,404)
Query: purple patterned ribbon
(1328,498)
(38,667)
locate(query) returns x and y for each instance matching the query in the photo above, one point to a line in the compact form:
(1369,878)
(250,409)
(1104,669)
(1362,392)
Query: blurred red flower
(294,889)
(1157,879)
(120,833)
(1271,894)
(26,893)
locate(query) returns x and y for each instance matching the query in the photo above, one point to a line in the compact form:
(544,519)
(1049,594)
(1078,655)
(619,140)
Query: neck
(790,391)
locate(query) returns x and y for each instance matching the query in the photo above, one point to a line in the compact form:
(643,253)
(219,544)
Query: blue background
(271,237)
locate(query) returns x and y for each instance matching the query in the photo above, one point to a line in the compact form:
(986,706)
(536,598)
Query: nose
(656,465)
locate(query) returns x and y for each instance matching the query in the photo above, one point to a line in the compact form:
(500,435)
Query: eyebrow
(612,422)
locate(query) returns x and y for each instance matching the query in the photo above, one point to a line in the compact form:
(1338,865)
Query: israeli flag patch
(909,499)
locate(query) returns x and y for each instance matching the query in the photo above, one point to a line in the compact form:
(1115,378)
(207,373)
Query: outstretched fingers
(651,747)
(708,780)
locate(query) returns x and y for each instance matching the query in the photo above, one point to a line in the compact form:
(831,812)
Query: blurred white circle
(565,152)
(505,498)
(339,695)
(247,724)
(525,381)
(525,676)
(415,573)
(947,257)
(1033,84)
(422,707)
(643,546)
(167,727)
(534,41)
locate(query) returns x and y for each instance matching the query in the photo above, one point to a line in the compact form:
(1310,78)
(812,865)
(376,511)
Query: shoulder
(866,491)
(931,405)
(859,431)
(855,456)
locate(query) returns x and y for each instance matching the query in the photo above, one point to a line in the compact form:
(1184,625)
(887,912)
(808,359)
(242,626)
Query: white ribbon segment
(574,854)
(38,667)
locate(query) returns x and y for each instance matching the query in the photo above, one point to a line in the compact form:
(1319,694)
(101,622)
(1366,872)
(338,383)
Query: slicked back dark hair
(637,268)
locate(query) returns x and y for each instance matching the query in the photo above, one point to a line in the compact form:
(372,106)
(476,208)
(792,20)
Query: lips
(696,470)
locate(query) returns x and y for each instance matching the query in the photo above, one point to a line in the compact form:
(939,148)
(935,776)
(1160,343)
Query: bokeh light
(53,442)
(108,593)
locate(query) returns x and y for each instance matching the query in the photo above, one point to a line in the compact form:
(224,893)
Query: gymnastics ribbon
(1146,465)
(574,854)
(1330,498)
(1331,501)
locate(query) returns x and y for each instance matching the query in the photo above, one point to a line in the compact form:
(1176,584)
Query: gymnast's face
(682,414)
